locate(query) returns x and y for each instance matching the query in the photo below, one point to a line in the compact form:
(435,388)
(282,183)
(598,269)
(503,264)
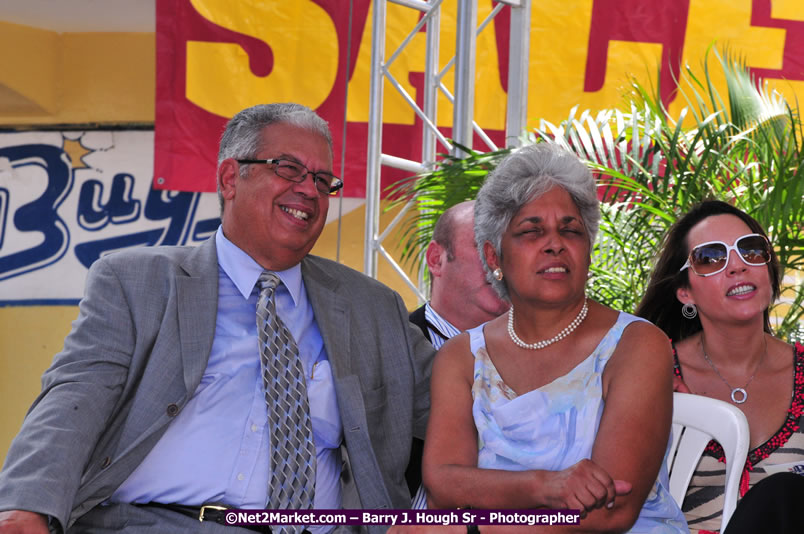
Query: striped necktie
(292,484)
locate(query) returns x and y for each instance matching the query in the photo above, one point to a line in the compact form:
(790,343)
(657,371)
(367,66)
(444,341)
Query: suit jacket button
(106,462)
(172,410)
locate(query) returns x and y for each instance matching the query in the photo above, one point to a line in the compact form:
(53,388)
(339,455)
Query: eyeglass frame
(334,185)
(729,248)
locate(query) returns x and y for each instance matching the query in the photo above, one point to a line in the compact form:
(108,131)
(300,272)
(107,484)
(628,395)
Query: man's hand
(22,522)
(584,486)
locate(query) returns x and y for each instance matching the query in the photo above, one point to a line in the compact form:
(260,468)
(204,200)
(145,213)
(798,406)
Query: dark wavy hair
(660,305)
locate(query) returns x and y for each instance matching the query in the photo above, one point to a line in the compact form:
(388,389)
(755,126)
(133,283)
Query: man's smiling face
(274,220)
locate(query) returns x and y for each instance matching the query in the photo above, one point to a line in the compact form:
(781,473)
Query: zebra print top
(703,502)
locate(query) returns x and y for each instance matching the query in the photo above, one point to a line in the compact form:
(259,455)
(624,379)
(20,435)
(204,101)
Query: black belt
(208,512)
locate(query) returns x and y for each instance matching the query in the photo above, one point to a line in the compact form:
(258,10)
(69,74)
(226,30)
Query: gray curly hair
(522,176)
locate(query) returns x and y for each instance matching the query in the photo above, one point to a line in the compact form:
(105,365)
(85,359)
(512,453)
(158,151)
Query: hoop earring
(497,273)
(689,311)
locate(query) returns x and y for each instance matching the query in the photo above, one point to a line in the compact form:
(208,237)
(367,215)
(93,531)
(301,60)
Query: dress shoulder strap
(477,339)
(626,318)
(608,344)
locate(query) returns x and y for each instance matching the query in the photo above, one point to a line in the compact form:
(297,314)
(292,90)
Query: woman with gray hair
(560,403)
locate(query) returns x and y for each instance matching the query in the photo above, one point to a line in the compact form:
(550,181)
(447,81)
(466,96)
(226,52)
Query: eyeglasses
(712,257)
(326,183)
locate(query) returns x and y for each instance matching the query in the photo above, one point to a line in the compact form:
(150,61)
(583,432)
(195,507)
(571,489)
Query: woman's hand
(583,486)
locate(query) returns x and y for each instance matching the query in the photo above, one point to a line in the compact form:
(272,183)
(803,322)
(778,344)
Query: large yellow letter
(303,41)
(728,23)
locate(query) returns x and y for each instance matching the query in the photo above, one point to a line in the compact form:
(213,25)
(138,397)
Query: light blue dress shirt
(217,450)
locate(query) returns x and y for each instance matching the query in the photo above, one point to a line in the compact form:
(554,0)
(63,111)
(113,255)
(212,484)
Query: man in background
(460,296)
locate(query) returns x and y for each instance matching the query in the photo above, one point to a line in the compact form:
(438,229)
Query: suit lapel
(197,307)
(331,309)
(331,313)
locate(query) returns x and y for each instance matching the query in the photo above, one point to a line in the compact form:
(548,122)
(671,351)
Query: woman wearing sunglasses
(710,292)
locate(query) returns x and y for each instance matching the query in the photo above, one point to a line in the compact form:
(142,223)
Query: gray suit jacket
(139,349)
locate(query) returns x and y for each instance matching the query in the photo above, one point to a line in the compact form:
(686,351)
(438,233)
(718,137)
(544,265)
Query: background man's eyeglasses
(326,183)
(712,257)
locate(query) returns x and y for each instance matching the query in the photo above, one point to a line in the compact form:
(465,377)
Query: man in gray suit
(156,407)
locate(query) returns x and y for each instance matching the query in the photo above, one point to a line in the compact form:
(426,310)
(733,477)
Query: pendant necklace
(547,342)
(738,395)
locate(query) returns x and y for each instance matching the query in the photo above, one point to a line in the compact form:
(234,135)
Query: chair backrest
(696,421)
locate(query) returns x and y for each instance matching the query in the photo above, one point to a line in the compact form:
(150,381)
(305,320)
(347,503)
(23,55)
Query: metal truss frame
(462,98)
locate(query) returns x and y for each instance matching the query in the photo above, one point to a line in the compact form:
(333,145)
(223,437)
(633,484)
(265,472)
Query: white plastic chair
(697,420)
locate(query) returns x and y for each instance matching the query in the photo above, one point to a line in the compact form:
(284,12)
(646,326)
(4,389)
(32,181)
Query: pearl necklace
(558,337)
(738,390)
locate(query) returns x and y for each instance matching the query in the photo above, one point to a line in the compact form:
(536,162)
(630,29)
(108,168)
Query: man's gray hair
(243,134)
(522,176)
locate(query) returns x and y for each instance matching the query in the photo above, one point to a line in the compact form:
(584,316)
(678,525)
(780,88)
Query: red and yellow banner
(215,57)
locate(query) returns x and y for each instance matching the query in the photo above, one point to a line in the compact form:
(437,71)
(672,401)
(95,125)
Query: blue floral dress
(554,427)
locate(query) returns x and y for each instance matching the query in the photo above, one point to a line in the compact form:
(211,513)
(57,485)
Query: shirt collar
(244,271)
(438,323)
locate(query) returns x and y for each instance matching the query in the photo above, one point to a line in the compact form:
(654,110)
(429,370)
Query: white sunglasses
(710,258)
